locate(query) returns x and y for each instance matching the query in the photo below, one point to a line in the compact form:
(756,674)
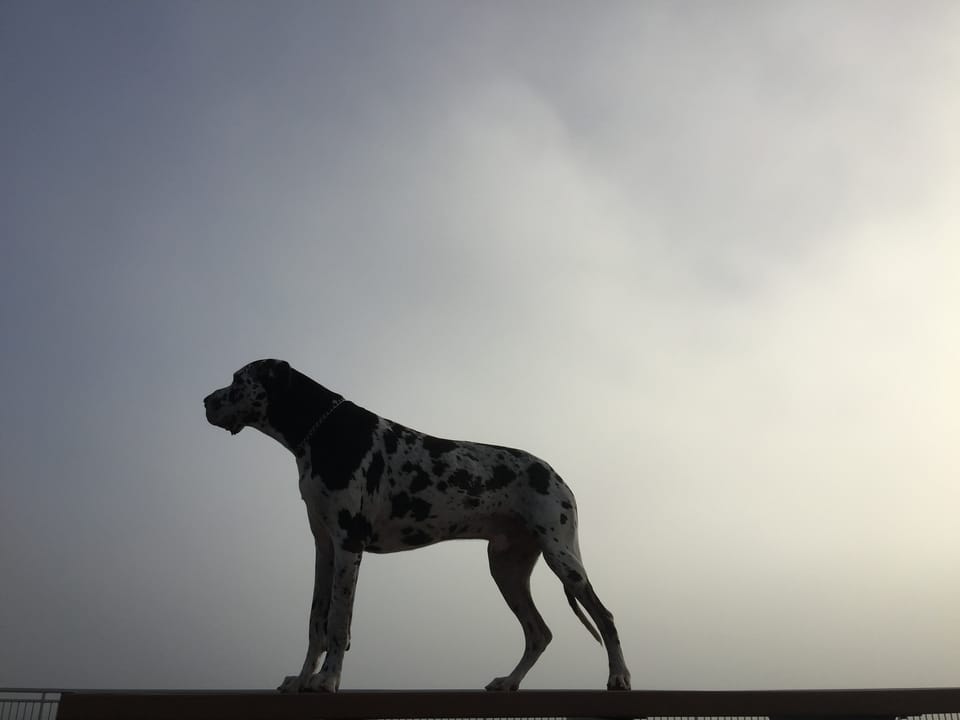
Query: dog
(373,485)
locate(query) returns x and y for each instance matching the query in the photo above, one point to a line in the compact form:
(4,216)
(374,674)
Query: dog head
(245,401)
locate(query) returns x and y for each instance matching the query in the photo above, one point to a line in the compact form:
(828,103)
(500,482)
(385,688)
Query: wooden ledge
(353,705)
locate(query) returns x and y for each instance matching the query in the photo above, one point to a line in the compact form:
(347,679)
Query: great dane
(371,484)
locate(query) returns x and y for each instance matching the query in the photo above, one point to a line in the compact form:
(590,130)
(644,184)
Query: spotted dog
(373,485)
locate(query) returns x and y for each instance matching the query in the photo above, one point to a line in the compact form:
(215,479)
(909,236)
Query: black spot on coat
(341,443)
(466,482)
(399,505)
(438,446)
(420,509)
(539,478)
(357,530)
(375,473)
(502,476)
(420,482)
(418,537)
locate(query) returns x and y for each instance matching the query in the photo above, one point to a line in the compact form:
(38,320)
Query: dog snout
(213,409)
(213,405)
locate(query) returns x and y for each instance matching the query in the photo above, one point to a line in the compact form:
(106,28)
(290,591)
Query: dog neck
(298,448)
(295,412)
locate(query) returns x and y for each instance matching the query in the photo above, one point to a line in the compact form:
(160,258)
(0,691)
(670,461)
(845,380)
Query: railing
(63,704)
(28,704)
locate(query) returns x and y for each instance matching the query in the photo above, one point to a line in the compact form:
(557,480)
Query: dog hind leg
(567,565)
(511,568)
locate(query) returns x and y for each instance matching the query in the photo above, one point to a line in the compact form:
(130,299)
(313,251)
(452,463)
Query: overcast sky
(702,257)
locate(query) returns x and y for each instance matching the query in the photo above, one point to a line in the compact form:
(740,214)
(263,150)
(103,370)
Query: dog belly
(397,537)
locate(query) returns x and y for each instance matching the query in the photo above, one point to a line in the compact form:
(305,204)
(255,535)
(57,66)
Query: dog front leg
(319,610)
(346,567)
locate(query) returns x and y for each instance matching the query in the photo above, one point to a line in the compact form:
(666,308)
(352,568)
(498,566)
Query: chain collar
(300,445)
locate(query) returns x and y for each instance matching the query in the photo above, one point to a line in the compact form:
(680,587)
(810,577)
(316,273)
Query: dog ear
(275,375)
(281,374)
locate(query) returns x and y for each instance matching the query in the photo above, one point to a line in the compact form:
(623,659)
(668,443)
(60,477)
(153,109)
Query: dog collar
(300,445)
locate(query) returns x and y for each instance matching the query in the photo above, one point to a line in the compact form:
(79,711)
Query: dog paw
(291,684)
(503,684)
(619,681)
(323,682)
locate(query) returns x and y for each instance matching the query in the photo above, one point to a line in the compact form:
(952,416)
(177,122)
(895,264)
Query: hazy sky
(702,257)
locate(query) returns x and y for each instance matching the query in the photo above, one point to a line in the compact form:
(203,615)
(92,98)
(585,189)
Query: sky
(702,257)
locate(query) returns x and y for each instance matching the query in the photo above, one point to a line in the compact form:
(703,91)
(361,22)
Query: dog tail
(579,613)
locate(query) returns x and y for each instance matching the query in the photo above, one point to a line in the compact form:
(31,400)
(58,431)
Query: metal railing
(28,704)
(64,704)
